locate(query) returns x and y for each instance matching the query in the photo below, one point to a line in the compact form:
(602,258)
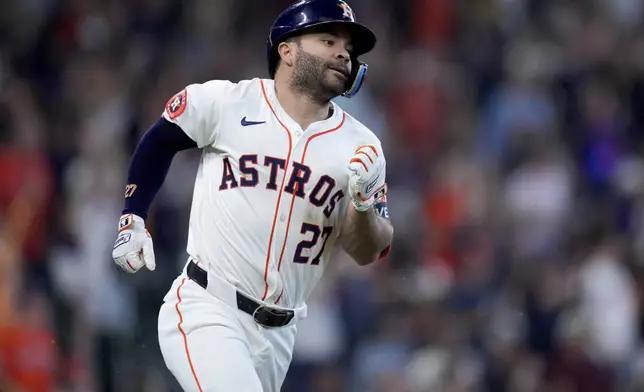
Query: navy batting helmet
(309,13)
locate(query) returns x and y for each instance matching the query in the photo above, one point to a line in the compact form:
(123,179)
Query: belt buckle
(262,315)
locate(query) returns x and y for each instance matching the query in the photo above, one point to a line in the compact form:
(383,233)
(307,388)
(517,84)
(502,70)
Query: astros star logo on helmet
(348,12)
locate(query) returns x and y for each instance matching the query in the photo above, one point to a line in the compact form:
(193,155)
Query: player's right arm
(189,121)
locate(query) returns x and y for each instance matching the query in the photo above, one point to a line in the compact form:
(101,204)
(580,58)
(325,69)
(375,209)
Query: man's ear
(286,52)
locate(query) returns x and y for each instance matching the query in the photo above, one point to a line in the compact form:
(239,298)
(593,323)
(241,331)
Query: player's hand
(133,247)
(366,177)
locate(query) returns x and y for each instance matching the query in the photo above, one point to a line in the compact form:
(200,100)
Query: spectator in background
(29,359)
(26,184)
(607,301)
(572,369)
(521,105)
(538,198)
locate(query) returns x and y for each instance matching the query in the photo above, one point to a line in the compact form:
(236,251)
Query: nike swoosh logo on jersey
(246,123)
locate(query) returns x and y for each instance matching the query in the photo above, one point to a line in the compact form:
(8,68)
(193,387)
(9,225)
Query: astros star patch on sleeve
(177,104)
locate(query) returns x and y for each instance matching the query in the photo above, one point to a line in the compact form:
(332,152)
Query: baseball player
(285,176)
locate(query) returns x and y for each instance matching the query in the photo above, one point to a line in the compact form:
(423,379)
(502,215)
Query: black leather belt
(269,317)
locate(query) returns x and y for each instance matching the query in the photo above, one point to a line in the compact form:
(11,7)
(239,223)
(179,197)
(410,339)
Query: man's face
(322,63)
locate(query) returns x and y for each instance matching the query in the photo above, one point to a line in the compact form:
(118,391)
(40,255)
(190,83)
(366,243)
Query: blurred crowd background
(514,131)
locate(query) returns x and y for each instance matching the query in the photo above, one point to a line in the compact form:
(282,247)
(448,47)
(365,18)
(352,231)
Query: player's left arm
(367,235)
(367,232)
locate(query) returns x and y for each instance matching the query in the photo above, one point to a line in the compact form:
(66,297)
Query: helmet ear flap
(356,80)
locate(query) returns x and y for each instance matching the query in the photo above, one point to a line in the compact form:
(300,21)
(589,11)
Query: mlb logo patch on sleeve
(177,104)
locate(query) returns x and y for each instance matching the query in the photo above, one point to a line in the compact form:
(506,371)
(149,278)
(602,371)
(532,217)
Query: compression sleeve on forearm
(150,163)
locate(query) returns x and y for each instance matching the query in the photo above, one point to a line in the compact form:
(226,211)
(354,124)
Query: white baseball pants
(210,346)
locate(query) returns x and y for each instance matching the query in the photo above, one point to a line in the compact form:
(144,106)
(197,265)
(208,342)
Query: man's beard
(311,77)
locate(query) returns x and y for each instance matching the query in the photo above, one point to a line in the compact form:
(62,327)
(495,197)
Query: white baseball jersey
(270,197)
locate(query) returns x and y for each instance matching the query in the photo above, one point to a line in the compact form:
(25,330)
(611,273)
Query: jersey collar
(331,122)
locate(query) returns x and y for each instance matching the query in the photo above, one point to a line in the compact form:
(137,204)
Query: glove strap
(362,205)
(126,222)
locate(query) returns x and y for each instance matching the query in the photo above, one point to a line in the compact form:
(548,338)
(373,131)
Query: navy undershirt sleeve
(150,163)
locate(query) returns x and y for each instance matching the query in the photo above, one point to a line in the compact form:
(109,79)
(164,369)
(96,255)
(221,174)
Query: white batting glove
(133,247)
(367,178)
